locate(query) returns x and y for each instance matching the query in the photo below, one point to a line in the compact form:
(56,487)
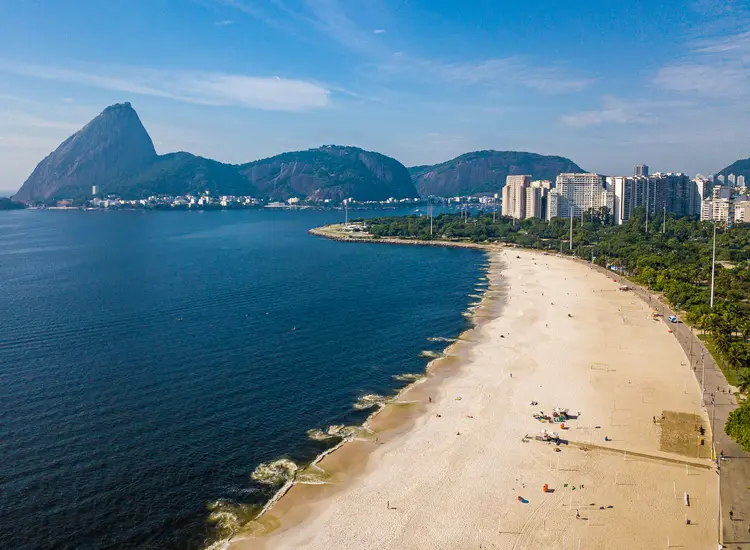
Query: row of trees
(671,256)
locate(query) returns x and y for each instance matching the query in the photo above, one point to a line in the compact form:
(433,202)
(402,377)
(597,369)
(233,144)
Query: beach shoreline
(298,515)
(395,416)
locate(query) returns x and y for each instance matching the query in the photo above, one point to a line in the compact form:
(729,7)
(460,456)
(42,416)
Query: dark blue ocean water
(149,361)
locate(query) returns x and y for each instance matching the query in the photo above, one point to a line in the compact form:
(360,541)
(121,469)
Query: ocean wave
(475,296)
(440,339)
(408,377)
(277,472)
(318,435)
(429,354)
(228,517)
(370,400)
(346,432)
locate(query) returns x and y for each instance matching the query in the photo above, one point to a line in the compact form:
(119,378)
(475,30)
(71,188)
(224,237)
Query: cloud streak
(204,88)
(491,72)
(620,111)
(716,63)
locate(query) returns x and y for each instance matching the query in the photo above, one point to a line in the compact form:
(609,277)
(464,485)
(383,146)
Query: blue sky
(608,83)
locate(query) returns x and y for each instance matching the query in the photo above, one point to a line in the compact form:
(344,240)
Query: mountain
(115,153)
(485,172)
(112,146)
(330,172)
(738,168)
(182,173)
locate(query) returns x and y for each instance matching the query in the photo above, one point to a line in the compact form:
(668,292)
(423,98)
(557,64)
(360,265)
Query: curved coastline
(390,419)
(481,360)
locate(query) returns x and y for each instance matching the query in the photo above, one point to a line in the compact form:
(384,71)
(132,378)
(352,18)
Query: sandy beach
(450,459)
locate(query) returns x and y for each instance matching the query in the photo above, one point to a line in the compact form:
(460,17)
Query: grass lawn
(729,373)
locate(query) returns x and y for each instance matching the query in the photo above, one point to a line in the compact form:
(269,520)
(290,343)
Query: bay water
(150,362)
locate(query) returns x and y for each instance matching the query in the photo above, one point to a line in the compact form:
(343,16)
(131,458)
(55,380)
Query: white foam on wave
(429,354)
(408,377)
(370,400)
(276,472)
(440,339)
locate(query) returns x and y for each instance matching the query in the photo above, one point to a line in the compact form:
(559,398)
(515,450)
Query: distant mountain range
(115,153)
(485,172)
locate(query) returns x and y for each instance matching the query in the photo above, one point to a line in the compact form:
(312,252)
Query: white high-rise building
(742,209)
(720,179)
(514,196)
(740,181)
(536,198)
(578,193)
(732,179)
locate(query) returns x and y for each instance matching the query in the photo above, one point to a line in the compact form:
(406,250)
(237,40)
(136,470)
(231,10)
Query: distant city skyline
(423,82)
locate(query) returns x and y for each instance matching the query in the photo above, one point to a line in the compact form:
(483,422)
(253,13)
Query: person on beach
(578,514)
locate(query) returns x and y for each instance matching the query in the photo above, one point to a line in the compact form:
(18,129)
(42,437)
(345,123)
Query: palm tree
(722,344)
(744,379)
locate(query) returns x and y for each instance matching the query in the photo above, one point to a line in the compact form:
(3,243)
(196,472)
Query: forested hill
(738,168)
(485,172)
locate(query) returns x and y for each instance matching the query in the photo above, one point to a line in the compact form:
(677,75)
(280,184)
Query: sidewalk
(734,496)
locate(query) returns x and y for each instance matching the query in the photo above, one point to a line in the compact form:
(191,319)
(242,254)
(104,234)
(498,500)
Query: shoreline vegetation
(474,387)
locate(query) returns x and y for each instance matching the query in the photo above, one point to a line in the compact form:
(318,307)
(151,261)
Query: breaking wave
(441,339)
(335,431)
(370,400)
(228,517)
(429,354)
(408,377)
(277,472)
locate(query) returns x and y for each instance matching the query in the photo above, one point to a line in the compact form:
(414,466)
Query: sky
(607,83)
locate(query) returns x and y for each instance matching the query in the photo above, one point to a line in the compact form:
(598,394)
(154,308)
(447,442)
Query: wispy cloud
(205,88)
(492,72)
(613,111)
(224,23)
(716,62)
(334,19)
(616,110)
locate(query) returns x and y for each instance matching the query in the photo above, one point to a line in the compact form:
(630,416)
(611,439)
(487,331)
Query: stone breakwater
(344,237)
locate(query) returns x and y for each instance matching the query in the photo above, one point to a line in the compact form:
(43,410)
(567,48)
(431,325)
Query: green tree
(738,425)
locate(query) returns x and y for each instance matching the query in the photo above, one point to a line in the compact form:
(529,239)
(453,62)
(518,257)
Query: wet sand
(449,473)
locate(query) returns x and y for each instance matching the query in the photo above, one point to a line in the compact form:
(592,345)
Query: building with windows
(514,196)
(740,181)
(723,205)
(676,193)
(640,170)
(742,210)
(575,194)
